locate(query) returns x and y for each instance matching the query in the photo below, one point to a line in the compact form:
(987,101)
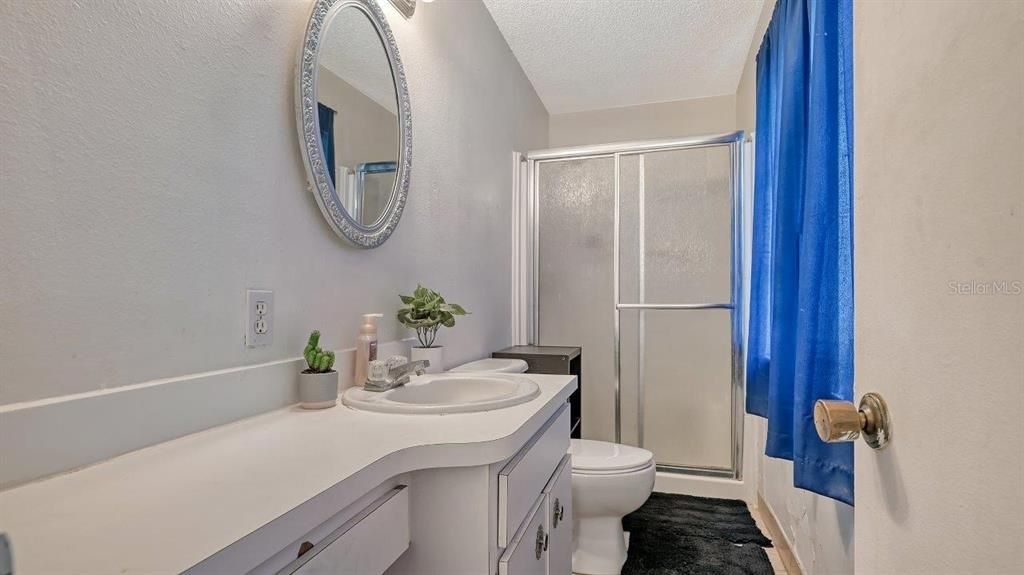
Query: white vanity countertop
(165,508)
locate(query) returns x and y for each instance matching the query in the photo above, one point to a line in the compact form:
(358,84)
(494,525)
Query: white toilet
(609,481)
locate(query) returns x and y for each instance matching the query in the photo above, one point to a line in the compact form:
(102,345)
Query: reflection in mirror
(358,113)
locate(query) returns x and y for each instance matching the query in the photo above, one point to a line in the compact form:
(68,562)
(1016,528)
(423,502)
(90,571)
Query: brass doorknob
(838,421)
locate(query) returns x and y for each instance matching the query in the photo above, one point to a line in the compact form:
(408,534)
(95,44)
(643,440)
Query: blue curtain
(800,347)
(327,137)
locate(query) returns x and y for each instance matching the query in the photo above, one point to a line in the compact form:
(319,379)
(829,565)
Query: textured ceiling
(353,51)
(593,54)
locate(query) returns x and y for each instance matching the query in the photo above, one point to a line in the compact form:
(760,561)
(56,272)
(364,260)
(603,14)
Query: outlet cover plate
(259,314)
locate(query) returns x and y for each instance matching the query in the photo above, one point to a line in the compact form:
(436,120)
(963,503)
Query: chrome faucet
(396,376)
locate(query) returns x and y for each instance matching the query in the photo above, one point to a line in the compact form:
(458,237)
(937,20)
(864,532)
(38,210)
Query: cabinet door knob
(837,421)
(542,542)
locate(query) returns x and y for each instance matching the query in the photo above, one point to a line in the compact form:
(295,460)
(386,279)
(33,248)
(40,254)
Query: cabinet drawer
(366,544)
(558,519)
(524,477)
(527,554)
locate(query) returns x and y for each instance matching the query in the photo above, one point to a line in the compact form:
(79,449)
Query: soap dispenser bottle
(366,346)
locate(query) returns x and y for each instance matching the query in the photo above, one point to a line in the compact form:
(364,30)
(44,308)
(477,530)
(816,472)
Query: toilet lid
(493,364)
(600,456)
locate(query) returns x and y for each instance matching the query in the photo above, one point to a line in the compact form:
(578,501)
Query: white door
(939,263)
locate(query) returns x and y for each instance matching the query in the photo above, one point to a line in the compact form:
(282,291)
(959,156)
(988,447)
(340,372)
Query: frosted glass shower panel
(675,247)
(686,201)
(657,340)
(687,387)
(576,202)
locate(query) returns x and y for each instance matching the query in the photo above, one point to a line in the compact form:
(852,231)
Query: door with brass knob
(939,229)
(838,421)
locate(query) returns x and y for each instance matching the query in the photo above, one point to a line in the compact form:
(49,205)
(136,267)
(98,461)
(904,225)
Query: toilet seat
(590,457)
(493,365)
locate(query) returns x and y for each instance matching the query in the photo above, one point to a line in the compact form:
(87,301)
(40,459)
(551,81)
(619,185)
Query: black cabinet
(555,360)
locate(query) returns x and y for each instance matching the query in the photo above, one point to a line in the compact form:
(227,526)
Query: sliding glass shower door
(636,261)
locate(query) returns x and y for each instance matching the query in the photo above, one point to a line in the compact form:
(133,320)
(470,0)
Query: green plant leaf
(426,311)
(454,308)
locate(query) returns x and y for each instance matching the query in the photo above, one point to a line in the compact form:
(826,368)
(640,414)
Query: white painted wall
(150,173)
(818,530)
(676,119)
(939,224)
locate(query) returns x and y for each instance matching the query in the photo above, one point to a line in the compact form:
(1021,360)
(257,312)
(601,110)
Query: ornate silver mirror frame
(309,126)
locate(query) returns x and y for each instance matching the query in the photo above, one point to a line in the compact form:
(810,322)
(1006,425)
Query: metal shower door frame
(531,316)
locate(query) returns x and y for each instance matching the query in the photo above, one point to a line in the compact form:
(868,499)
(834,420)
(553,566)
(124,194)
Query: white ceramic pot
(318,390)
(435,355)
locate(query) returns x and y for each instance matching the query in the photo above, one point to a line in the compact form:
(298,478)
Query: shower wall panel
(576,201)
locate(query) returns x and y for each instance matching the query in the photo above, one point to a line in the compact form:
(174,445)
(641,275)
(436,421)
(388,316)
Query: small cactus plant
(319,361)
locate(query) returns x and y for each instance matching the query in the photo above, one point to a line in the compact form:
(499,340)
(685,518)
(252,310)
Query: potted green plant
(318,383)
(426,312)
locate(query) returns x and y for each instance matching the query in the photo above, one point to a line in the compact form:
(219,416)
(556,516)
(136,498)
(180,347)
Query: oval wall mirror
(354,120)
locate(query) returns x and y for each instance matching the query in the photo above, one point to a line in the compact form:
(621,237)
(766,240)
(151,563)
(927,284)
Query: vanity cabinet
(510,514)
(535,504)
(528,553)
(558,519)
(543,544)
(367,543)
(524,477)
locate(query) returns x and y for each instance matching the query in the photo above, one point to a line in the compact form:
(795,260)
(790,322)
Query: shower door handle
(837,421)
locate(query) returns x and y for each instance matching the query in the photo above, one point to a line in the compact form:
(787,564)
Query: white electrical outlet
(259,312)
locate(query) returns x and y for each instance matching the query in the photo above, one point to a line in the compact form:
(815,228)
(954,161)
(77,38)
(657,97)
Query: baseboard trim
(667,482)
(779,540)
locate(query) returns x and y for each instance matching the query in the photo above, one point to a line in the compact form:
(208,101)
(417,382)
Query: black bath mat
(685,535)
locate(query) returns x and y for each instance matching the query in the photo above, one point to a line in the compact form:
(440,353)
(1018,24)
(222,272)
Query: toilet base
(600,546)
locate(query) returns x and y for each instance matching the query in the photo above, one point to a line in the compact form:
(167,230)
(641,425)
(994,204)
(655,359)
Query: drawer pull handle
(304,548)
(542,542)
(555,516)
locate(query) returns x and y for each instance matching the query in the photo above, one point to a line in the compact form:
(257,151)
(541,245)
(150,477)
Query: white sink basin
(446,393)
